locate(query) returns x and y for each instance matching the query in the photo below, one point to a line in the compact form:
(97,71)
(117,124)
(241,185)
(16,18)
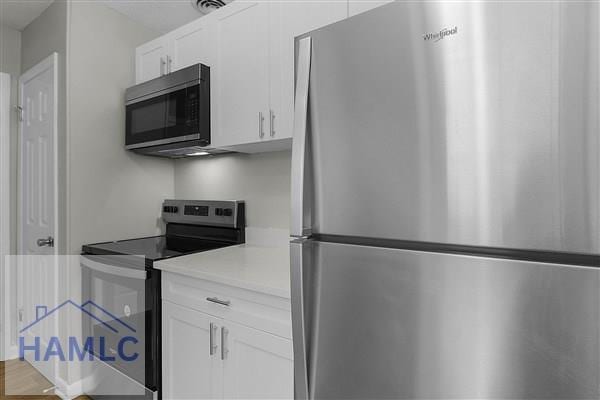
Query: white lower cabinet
(233,351)
(257,365)
(189,370)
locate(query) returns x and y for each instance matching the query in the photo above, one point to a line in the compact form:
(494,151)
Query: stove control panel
(197,211)
(205,212)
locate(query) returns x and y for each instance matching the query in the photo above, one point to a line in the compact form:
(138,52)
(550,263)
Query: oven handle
(113,269)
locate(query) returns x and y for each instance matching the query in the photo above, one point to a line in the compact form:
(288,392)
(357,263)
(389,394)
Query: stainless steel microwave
(170,116)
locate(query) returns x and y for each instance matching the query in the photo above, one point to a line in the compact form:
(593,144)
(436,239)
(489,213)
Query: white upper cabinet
(240,74)
(249,46)
(359,6)
(256,71)
(151,60)
(191,44)
(178,49)
(289,19)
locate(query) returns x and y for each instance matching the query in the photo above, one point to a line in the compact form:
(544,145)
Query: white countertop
(251,266)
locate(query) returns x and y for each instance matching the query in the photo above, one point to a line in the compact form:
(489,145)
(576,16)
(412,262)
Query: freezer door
(377,323)
(485,134)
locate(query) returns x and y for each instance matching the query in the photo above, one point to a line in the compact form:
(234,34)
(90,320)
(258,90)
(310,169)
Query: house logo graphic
(116,333)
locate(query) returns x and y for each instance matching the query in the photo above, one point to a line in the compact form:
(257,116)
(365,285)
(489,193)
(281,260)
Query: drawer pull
(219,301)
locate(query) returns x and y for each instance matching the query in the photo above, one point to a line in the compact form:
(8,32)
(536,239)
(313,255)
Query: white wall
(263,180)
(112,193)
(10,63)
(105,192)
(45,35)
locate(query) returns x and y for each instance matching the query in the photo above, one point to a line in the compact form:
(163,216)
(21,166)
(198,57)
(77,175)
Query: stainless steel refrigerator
(446,203)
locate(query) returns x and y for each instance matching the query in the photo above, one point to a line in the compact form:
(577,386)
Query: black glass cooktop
(155,248)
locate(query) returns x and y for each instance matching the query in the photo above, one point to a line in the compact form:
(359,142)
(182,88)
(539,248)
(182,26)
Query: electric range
(119,280)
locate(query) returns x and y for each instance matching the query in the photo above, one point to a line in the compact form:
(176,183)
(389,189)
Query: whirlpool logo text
(437,36)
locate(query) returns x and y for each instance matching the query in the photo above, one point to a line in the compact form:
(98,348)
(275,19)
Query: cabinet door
(189,370)
(151,60)
(240,75)
(288,20)
(191,44)
(359,6)
(257,365)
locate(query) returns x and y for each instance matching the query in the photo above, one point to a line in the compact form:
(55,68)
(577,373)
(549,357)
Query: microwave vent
(181,152)
(206,6)
(176,150)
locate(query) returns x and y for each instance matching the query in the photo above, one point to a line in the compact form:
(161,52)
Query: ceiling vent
(206,6)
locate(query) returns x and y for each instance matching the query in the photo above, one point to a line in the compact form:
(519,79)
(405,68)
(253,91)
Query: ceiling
(17,14)
(160,15)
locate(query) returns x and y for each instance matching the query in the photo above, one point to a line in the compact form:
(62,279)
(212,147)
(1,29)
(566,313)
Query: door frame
(5,237)
(49,62)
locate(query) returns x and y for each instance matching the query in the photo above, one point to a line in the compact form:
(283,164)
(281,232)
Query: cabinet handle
(169,64)
(162,66)
(261,120)
(219,301)
(272,123)
(213,346)
(224,349)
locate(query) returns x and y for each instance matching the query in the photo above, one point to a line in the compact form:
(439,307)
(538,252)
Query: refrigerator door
(378,323)
(471,123)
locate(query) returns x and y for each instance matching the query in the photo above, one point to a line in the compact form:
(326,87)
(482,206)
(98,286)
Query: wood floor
(21,379)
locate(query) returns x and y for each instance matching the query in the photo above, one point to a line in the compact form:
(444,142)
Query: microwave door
(146,120)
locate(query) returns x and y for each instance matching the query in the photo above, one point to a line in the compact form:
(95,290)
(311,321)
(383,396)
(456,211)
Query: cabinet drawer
(257,310)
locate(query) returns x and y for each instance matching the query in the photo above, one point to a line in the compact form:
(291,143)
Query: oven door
(119,317)
(168,116)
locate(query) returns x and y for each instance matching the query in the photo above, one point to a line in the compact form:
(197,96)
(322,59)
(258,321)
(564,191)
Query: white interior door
(37,276)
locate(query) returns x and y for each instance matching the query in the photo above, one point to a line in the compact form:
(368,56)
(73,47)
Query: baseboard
(11,353)
(68,391)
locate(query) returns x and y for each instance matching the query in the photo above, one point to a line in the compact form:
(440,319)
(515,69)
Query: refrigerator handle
(301,210)
(299,334)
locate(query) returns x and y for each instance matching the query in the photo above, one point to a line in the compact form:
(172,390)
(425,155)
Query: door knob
(49,242)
